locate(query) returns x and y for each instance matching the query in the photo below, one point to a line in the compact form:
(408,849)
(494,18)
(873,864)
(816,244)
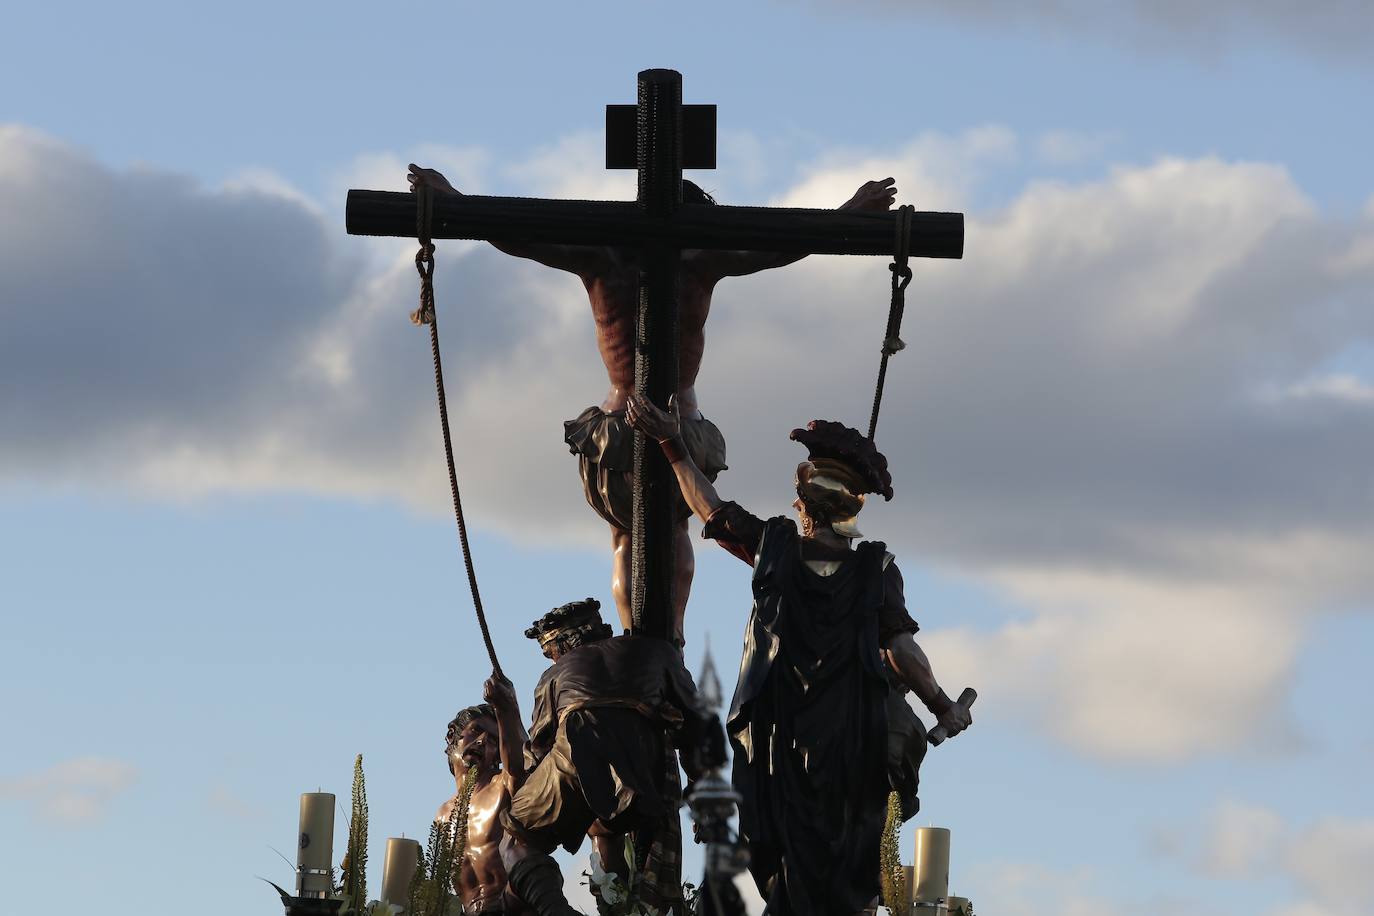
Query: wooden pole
(659,151)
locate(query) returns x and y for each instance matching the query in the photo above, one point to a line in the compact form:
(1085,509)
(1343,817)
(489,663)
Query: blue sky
(1130,435)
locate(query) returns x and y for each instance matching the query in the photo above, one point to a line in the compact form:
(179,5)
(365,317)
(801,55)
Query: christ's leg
(684,566)
(620,576)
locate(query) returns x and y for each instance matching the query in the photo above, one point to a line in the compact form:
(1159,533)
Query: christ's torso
(614,296)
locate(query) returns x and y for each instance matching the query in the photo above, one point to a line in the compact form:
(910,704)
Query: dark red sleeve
(735,529)
(893,617)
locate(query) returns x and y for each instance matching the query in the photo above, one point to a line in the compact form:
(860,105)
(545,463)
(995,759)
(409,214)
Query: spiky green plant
(353,882)
(459,816)
(890,857)
(416,892)
(431,890)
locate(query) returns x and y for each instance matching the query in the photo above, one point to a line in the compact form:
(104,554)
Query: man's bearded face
(477,746)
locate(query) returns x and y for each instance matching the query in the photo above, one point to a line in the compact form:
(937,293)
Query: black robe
(809,719)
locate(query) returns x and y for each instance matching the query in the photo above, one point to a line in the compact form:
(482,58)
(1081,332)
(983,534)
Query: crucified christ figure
(600,436)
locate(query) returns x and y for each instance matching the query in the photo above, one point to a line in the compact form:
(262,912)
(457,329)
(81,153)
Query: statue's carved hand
(879,194)
(430,178)
(499,692)
(956,719)
(644,416)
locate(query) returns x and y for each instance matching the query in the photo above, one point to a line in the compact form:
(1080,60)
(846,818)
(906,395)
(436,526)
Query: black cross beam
(668,136)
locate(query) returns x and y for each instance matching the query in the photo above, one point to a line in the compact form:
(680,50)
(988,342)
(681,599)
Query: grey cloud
(1345,27)
(146,317)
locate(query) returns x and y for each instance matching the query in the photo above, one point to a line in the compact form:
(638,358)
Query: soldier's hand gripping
(658,425)
(956,719)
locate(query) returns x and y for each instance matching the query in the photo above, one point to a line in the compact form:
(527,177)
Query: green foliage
(431,890)
(890,857)
(353,882)
(459,816)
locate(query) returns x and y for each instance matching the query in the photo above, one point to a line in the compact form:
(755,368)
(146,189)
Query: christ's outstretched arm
(583,260)
(878,194)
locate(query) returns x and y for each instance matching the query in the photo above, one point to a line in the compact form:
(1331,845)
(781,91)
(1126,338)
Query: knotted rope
(901,276)
(425,314)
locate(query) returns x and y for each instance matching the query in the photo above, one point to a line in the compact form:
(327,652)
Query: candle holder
(307,906)
(322,880)
(312,906)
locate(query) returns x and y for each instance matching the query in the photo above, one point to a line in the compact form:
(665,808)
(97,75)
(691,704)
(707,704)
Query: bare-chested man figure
(599,436)
(492,749)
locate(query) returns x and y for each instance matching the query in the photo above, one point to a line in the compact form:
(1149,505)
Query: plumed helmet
(846,454)
(573,624)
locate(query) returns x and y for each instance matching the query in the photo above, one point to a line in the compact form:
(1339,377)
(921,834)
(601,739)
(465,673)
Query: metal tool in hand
(937,735)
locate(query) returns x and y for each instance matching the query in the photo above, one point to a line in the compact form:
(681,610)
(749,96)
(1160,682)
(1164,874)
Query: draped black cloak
(809,718)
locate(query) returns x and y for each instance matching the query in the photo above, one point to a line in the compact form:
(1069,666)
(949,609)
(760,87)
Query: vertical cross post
(658,142)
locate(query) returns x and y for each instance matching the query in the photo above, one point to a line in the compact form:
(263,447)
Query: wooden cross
(667,136)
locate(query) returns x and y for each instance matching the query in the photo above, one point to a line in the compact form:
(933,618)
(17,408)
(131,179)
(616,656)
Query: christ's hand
(873,195)
(430,178)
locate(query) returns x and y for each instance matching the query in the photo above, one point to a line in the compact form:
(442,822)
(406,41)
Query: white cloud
(1306,908)
(1026,889)
(1130,667)
(1327,860)
(226,802)
(1331,860)
(1073,421)
(934,170)
(1357,257)
(1241,840)
(1338,387)
(74,791)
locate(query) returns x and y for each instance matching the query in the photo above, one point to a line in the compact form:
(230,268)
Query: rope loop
(901,275)
(424,258)
(901,278)
(424,265)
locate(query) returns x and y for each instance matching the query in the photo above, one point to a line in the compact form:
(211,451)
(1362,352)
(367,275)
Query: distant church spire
(707,681)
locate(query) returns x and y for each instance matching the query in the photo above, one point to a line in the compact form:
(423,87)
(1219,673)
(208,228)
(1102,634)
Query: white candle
(931,867)
(315,847)
(402,858)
